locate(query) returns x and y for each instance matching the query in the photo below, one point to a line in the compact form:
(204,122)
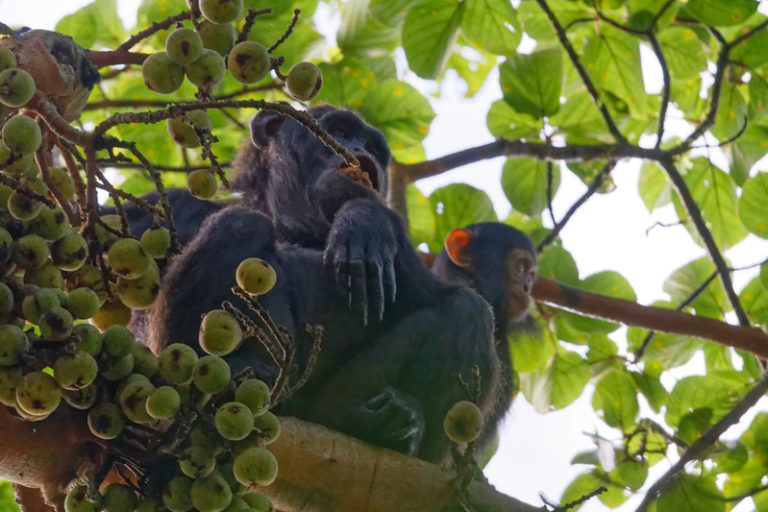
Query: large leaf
(612,58)
(754,299)
(505,122)
(429,31)
(688,279)
(559,384)
(608,283)
(692,494)
(715,194)
(654,187)
(720,13)
(579,119)
(531,84)
(457,205)
(492,26)
(753,204)
(524,181)
(557,263)
(398,110)
(362,34)
(731,114)
(472,67)
(616,397)
(747,151)
(683,52)
(96,24)
(346,83)
(421,219)
(529,351)
(390,12)
(718,391)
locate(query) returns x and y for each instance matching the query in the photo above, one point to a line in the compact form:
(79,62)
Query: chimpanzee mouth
(367,174)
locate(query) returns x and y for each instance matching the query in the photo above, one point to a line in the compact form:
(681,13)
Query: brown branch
(707,439)
(288,31)
(562,36)
(322,471)
(250,19)
(694,213)
(666,89)
(627,312)
(152,29)
(104,58)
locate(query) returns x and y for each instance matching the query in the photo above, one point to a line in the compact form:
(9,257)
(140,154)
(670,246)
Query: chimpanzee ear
(264,126)
(456,246)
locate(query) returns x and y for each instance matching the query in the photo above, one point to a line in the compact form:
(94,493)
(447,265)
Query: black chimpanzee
(396,338)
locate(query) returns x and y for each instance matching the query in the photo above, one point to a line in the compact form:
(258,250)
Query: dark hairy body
(398,339)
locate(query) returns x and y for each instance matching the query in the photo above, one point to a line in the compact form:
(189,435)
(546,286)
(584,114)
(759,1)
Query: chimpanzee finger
(357,289)
(390,284)
(375,289)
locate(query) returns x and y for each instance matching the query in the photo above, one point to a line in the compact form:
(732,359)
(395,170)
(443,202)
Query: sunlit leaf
(429,31)
(616,397)
(491,25)
(531,84)
(753,204)
(525,183)
(719,13)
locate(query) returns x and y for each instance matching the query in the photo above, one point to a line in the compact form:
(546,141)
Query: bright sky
(609,233)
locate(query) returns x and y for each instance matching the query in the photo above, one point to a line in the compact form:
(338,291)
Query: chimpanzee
(397,339)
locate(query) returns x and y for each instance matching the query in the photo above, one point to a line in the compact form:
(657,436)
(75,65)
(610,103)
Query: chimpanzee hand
(391,419)
(360,251)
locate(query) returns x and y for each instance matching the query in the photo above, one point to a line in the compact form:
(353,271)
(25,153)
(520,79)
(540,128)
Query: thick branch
(658,319)
(322,470)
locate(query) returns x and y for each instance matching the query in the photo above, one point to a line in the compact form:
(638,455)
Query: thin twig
(288,31)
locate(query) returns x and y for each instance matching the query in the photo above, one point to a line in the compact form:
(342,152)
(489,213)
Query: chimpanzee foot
(391,419)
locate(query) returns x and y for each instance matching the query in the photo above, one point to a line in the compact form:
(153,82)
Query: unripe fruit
(104,236)
(202,184)
(83,303)
(210,493)
(75,371)
(35,304)
(150,505)
(50,223)
(197,461)
(141,292)
(163,403)
(463,422)
(89,338)
(7,58)
(233,421)
(63,181)
(248,62)
(184,45)
(38,394)
(56,323)
(117,341)
(16,87)
(6,298)
(237,504)
(176,494)
(30,251)
(127,259)
(257,502)
(21,165)
(255,394)
(21,134)
(255,466)
(185,135)
(13,343)
(9,381)
(268,425)
(47,276)
(118,498)
(133,399)
(220,333)
(116,368)
(23,206)
(206,71)
(81,399)
(70,252)
(211,374)
(161,74)
(221,11)
(304,81)
(105,420)
(176,363)
(156,242)
(217,37)
(78,500)
(144,361)
(255,276)
(6,244)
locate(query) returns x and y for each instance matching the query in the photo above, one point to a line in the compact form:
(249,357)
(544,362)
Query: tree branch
(648,317)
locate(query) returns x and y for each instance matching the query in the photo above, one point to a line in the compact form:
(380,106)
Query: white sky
(608,233)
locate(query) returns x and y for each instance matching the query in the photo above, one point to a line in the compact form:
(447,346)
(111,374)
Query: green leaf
(534,22)
(764,276)
(694,424)
(429,31)
(731,114)
(582,485)
(754,300)
(531,84)
(457,205)
(608,283)
(473,68)
(152,10)
(390,12)
(601,348)
(361,34)
(692,494)
(652,389)
(529,351)
(715,194)
(579,119)
(664,350)
(751,52)
(753,204)
(492,26)
(746,151)
(718,391)
(524,181)
(686,280)
(758,98)
(631,474)
(7,503)
(558,385)
(346,83)
(421,219)
(654,187)
(732,458)
(400,112)
(96,24)
(505,122)
(612,59)
(615,397)
(683,52)
(557,263)
(720,13)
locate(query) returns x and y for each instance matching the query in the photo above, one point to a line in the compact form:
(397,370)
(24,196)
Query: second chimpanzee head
(291,175)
